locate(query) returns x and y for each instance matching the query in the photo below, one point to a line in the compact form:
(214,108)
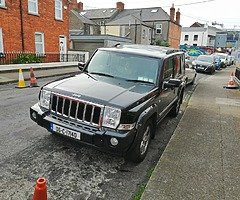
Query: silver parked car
(190,72)
(204,63)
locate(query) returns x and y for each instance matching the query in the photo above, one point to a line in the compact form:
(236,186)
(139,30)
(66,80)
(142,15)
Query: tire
(139,151)
(176,107)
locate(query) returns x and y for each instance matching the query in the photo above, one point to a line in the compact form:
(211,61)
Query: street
(73,171)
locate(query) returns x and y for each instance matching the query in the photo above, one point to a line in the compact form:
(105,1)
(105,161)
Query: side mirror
(172,83)
(81,65)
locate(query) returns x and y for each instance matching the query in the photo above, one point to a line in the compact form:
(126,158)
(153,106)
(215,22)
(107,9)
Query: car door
(166,95)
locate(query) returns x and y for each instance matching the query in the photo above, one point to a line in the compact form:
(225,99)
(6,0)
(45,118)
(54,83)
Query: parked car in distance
(204,63)
(116,101)
(232,60)
(217,61)
(224,59)
(190,72)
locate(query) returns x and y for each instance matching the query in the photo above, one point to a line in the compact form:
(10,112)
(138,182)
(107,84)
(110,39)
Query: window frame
(1,41)
(195,37)
(36,4)
(59,9)
(186,37)
(42,43)
(158,28)
(2,3)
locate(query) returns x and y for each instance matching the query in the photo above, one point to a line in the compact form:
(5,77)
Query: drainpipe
(22,31)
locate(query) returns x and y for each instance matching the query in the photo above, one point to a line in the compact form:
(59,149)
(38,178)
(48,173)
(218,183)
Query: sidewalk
(9,73)
(202,159)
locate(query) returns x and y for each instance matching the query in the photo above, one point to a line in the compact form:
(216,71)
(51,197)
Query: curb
(39,77)
(35,68)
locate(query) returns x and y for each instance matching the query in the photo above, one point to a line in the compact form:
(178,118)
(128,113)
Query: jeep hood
(102,90)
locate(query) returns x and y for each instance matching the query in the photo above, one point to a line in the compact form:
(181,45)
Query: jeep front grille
(81,111)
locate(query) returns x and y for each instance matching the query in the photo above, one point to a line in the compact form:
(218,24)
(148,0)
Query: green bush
(162,43)
(26,58)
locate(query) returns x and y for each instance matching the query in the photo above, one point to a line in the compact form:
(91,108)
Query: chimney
(172,13)
(73,5)
(120,6)
(80,7)
(178,16)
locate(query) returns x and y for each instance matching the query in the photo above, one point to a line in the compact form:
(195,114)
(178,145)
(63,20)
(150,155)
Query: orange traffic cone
(33,80)
(232,83)
(40,192)
(21,82)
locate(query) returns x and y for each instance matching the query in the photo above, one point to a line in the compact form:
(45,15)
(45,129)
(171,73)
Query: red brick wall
(43,22)
(174,35)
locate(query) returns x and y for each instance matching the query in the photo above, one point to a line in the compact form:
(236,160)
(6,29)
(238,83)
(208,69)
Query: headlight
(111,117)
(45,98)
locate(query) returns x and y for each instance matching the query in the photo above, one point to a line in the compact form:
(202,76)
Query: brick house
(34,26)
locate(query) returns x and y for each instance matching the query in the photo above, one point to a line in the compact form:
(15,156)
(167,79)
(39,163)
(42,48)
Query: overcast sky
(226,12)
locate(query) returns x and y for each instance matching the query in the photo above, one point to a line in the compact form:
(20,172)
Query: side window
(2,3)
(177,66)
(33,7)
(39,43)
(58,10)
(168,69)
(1,41)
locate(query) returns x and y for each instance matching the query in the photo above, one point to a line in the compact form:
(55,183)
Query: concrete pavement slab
(201,160)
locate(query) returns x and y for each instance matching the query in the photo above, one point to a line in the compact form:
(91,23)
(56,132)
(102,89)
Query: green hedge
(26,58)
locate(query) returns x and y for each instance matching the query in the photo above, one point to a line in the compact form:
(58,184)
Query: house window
(1,41)
(144,34)
(33,6)
(150,34)
(39,43)
(195,38)
(158,28)
(186,37)
(91,30)
(2,3)
(58,10)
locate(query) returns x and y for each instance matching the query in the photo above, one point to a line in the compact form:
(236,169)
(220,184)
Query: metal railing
(25,58)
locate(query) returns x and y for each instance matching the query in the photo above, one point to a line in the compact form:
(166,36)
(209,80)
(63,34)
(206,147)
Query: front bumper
(99,138)
(204,69)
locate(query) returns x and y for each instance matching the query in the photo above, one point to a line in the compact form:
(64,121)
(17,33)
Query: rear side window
(168,69)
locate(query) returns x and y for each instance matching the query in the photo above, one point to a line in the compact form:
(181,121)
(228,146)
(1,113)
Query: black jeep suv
(117,100)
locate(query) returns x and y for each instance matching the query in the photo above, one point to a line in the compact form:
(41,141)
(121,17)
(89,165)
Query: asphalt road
(73,171)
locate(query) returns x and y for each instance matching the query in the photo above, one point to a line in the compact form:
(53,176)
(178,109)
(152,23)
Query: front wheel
(139,152)
(176,106)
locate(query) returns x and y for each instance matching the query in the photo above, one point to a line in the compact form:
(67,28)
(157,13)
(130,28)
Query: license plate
(66,131)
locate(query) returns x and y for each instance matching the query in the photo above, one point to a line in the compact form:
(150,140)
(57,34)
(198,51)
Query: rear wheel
(176,107)
(139,152)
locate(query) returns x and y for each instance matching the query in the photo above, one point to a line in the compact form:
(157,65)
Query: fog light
(34,115)
(114,141)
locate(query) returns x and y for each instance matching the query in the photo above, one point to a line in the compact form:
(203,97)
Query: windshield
(126,66)
(205,58)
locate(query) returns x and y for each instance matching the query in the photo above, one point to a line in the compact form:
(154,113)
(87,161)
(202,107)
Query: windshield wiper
(139,81)
(102,74)
(89,75)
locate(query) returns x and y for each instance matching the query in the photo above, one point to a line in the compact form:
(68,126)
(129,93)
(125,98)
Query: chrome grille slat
(63,107)
(76,109)
(91,120)
(84,112)
(69,109)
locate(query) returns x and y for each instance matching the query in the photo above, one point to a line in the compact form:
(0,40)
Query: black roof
(146,50)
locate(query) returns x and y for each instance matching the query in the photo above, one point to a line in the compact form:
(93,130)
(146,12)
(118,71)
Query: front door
(62,48)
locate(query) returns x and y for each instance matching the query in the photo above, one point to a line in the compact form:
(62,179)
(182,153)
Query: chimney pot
(120,6)
(172,13)
(178,16)
(80,6)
